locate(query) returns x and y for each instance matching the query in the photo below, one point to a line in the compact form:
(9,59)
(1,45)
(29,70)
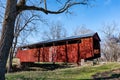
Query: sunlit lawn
(76,73)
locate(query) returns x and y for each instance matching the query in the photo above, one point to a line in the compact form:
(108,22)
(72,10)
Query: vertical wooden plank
(38,50)
(78,52)
(53,54)
(66,52)
(43,53)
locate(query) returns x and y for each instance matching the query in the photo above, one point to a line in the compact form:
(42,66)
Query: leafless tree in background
(81,30)
(111,45)
(13,9)
(54,31)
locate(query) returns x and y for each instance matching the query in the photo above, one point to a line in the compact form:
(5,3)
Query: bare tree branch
(21,2)
(55,31)
(81,30)
(66,6)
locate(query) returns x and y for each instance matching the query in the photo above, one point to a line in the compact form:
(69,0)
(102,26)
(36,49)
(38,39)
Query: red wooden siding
(70,51)
(86,48)
(60,53)
(50,54)
(27,55)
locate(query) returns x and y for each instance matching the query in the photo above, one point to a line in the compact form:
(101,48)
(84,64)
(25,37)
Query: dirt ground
(108,75)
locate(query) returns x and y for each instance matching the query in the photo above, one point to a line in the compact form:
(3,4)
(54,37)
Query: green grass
(76,73)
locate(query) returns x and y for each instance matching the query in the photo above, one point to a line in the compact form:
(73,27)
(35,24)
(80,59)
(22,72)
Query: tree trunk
(9,67)
(11,53)
(7,35)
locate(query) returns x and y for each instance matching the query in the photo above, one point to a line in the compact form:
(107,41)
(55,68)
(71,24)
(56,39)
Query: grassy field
(75,73)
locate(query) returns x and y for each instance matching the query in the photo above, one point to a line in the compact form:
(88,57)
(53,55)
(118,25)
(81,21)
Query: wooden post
(38,54)
(66,51)
(78,52)
(43,53)
(53,54)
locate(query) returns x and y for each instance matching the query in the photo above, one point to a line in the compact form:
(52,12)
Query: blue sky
(93,16)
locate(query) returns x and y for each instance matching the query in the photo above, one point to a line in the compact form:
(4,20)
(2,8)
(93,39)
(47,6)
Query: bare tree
(111,45)
(55,31)
(81,30)
(22,30)
(15,7)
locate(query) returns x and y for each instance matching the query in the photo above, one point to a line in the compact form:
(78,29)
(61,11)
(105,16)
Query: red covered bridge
(70,49)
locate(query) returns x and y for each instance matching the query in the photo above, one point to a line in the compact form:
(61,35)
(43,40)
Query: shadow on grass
(41,67)
(111,77)
(49,66)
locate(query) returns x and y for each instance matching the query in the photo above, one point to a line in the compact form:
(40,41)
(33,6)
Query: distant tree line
(110,46)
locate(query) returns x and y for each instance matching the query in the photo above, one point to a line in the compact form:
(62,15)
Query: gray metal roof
(59,40)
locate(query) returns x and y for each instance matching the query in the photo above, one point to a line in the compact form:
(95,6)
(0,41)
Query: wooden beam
(53,54)
(66,51)
(78,57)
(43,53)
(38,50)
